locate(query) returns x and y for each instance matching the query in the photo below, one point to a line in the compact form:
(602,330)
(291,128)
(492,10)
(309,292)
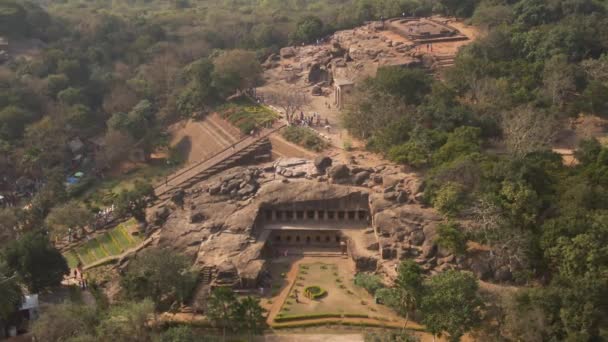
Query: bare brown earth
(199,140)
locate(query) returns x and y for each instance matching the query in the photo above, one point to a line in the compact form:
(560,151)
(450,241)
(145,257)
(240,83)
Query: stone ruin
(233,223)
(424,30)
(351,55)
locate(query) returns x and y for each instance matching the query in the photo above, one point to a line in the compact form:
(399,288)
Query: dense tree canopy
(36,262)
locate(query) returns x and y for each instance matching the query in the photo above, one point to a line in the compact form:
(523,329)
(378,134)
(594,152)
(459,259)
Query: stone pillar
(316,215)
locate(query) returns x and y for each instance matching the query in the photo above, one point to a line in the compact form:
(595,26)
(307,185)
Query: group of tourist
(313,120)
(79,277)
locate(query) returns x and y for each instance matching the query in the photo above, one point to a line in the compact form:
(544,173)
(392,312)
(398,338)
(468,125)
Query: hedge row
(291,318)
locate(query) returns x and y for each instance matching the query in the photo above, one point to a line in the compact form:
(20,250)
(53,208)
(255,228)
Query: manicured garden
(246,114)
(114,242)
(323,291)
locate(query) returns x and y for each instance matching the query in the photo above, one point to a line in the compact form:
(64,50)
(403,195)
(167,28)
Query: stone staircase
(442,62)
(258,150)
(207,275)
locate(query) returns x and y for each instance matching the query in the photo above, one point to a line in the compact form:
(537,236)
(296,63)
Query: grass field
(114,242)
(246,115)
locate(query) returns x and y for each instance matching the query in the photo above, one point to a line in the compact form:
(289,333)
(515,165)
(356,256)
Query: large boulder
(361,177)
(480,267)
(197,217)
(428,250)
(417,237)
(503,274)
(287,52)
(339,171)
(322,163)
(365,263)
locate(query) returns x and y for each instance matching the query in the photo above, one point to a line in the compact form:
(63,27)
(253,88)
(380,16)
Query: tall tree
(222,308)
(291,101)
(36,262)
(409,286)
(65,321)
(250,316)
(12,296)
(135,201)
(162,275)
(451,304)
(236,70)
(128,322)
(66,216)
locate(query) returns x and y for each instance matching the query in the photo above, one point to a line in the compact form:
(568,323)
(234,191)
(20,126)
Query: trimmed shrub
(370,282)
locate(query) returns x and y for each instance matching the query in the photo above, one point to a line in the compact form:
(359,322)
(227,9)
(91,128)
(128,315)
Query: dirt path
(285,149)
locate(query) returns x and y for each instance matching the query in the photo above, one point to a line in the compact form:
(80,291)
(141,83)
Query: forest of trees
(125,70)
(540,64)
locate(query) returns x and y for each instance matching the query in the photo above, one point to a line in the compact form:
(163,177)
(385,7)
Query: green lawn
(114,242)
(341,297)
(245,114)
(72,259)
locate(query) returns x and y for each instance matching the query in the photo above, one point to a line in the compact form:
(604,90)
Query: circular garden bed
(314,292)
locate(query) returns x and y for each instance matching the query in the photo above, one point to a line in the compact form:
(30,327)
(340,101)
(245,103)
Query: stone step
(221,131)
(217,138)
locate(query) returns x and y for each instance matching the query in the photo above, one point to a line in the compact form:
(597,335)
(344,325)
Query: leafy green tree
(451,304)
(410,85)
(307,30)
(370,282)
(129,321)
(250,316)
(450,199)
(408,289)
(181,333)
(521,203)
(13,121)
(71,96)
(36,262)
(161,275)
(56,83)
(12,295)
(458,8)
(595,98)
(135,201)
(491,15)
(66,216)
(236,70)
(587,151)
(63,322)
(222,308)
(452,238)
(463,141)
(9,225)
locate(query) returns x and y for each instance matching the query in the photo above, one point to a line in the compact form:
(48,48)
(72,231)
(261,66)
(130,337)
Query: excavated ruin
(233,223)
